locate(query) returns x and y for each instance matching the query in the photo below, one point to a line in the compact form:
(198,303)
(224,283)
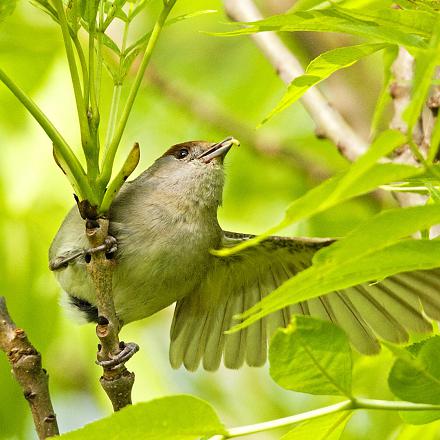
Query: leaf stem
(290,420)
(116,98)
(99,52)
(59,142)
(92,149)
(117,89)
(83,63)
(393,405)
(346,405)
(80,104)
(110,154)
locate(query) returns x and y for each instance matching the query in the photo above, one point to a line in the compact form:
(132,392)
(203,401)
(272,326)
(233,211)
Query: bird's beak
(219,149)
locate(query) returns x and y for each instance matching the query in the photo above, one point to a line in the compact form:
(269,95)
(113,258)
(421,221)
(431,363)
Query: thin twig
(117,381)
(27,370)
(402,70)
(329,123)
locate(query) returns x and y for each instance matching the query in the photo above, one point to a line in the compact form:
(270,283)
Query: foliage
(92,185)
(167,418)
(374,248)
(310,356)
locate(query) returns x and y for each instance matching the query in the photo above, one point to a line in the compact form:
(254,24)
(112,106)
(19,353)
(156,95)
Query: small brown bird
(165,223)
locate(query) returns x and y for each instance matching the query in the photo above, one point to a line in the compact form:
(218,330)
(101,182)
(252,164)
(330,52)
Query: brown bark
(117,381)
(26,366)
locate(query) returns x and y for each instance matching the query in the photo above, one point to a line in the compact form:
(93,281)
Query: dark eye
(182,153)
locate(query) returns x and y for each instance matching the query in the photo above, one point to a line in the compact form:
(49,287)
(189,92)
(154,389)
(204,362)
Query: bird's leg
(62,261)
(127,351)
(109,247)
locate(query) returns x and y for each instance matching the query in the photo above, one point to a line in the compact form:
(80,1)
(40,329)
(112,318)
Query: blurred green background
(199,87)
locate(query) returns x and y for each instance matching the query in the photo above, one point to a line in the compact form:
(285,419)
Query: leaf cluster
(309,356)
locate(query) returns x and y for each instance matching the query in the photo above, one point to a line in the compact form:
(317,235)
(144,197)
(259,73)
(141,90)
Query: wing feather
(388,309)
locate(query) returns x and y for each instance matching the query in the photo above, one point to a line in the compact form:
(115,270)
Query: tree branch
(117,381)
(27,370)
(329,123)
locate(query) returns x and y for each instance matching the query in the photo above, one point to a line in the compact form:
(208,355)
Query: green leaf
(389,56)
(329,427)
(190,15)
(334,20)
(7,7)
(110,44)
(382,146)
(379,232)
(321,68)
(415,376)
(425,5)
(127,169)
(168,418)
(410,21)
(435,142)
(311,356)
(425,432)
(363,179)
(304,5)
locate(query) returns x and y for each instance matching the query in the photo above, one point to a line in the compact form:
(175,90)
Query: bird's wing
(388,309)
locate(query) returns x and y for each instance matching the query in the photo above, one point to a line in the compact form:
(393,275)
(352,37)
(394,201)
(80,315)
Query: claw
(110,246)
(128,350)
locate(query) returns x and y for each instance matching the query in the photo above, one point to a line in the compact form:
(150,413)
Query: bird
(165,225)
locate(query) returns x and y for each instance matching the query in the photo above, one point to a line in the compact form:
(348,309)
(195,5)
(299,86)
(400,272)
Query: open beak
(218,150)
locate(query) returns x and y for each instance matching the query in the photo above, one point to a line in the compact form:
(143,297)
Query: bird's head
(193,171)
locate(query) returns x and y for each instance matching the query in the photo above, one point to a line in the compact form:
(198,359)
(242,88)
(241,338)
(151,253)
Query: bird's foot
(110,246)
(127,351)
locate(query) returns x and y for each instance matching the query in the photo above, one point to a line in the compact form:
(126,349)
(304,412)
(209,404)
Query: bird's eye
(183,152)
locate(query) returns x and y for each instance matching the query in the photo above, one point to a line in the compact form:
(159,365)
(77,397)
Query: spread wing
(389,310)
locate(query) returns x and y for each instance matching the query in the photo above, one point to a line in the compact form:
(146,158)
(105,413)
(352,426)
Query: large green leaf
(411,21)
(329,427)
(379,232)
(321,68)
(415,376)
(168,418)
(311,356)
(304,5)
(370,252)
(361,177)
(341,21)
(7,8)
(425,5)
(412,432)
(382,146)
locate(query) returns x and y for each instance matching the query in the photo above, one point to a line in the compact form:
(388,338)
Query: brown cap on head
(202,150)
(175,150)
